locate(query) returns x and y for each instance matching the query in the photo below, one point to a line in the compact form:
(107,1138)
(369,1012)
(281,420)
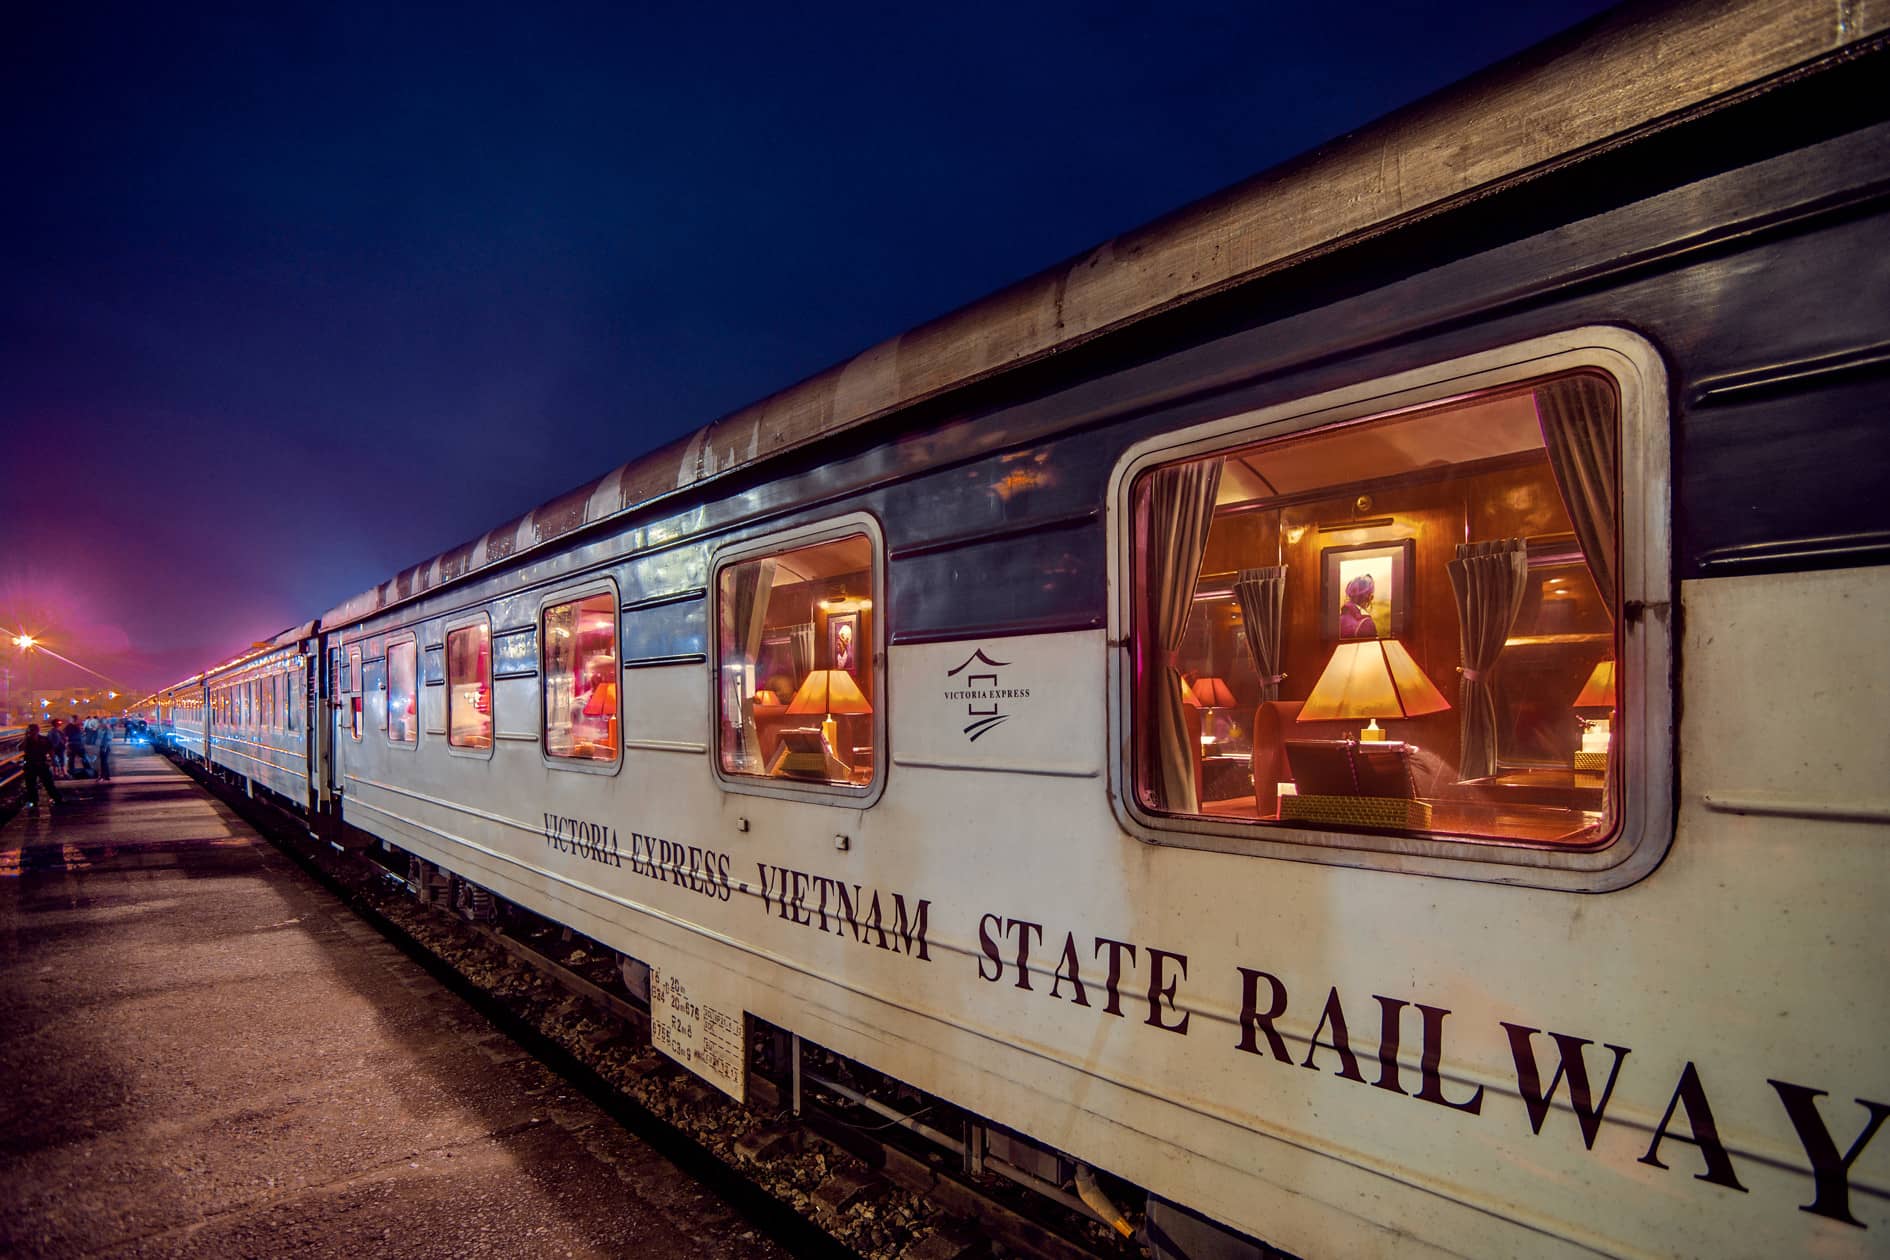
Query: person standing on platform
(105,750)
(89,741)
(38,771)
(56,746)
(75,748)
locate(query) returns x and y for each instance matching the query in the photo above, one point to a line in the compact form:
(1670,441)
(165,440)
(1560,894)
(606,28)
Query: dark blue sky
(292,297)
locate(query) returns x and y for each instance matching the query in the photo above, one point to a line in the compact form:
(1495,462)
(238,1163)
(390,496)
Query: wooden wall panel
(1519,500)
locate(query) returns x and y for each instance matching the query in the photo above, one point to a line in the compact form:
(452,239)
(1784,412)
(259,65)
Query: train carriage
(257,718)
(1346,710)
(180,717)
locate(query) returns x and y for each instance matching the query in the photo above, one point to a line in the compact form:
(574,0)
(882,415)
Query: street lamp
(25,642)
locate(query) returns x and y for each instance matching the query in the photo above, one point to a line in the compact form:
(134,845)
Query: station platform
(205,1055)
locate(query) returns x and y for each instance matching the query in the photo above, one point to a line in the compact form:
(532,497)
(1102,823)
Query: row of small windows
(1452,572)
(795,684)
(579,668)
(267,703)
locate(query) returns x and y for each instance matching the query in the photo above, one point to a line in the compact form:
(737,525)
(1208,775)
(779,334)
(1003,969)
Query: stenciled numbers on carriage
(701,1028)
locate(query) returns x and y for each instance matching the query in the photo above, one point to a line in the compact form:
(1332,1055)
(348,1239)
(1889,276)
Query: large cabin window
(795,679)
(469,686)
(581,678)
(403,693)
(1405,624)
(374,690)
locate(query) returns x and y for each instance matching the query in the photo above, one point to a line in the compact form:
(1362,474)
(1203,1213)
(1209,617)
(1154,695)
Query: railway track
(825,1155)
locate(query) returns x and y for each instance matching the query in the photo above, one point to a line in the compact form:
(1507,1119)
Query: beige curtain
(1261,594)
(754,583)
(1179,507)
(1583,435)
(801,644)
(1488,579)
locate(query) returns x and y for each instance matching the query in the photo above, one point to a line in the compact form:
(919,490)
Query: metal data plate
(700,1029)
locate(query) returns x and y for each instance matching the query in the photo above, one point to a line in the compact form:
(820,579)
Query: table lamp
(827,692)
(603,701)
(1371,679)
(1597,693)
(1208,694)
(767,699)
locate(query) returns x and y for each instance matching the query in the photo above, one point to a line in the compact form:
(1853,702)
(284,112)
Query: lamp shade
(1373,678)
(1598,691)
(829,691)
(603,701)
(767,697)
(1212,693)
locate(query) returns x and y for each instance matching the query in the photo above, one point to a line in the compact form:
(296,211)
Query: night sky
(293,297)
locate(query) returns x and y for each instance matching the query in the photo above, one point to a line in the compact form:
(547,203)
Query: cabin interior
(1323,652)
(796,634)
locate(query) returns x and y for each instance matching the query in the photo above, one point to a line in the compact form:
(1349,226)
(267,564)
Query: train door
(324,673)
(305,701)
(346,728)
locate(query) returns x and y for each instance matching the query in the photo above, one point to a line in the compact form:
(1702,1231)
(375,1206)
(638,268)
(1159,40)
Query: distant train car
(258,715)
(1349,709)
(180,717)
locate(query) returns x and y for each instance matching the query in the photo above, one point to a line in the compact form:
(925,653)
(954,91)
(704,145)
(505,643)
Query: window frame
(573,595)
(481,618)
(1645,799)
(409,639)
(760,547)
(356,698)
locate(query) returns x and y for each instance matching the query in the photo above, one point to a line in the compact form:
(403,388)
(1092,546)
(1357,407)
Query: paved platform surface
(204,1055)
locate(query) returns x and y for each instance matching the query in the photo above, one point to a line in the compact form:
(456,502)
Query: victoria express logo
(977,685)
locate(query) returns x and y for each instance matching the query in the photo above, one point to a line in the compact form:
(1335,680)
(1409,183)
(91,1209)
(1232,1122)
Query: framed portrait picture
(843,642)
(1365,590)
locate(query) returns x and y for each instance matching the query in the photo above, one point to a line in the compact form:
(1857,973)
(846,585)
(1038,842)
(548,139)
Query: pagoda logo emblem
(986,699)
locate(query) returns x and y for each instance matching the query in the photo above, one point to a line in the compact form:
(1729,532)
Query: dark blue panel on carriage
(667,630)
(515,655)
(1794,481)
(1008,493)
(1048,580)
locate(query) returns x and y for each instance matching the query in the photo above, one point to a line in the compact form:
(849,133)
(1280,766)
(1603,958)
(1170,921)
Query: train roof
(1630,73)
(293,636)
